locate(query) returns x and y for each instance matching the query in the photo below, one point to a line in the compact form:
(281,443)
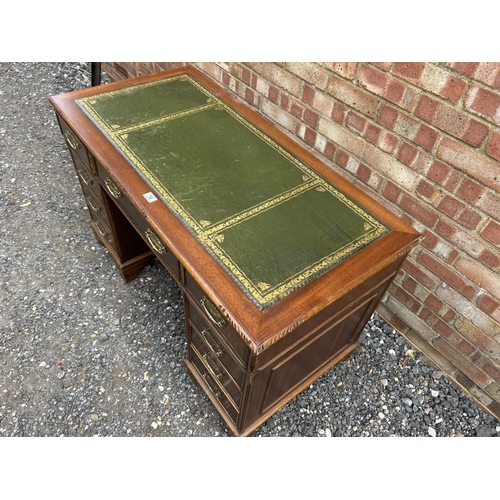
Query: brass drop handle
(211,386)
(212,367)
(154,241)
(212,344)
(112,188)
(93,205)
(72,140)
(85,177)
(212,312)
(100,228)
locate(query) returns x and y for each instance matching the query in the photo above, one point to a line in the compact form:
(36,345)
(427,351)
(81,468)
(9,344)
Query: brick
(285,102)
(475,133)
(387,116)
(420,274)
(310,136)
(473,163)
(391,191)
(412,70)
(308,95)
(407,153)
(273,94)
(355,121)
(390,167)
(429,240)
(353,96)
(329,150)
(450,206)
(488,72)
(426,137)
(426,108)
(388,142)
(406,299)
(480,275)
(338,112)
(489,259)
(372,133)
(467,69)
(454,89)
(450,120)
(283,79)
(485,103)
(434,303)
(322,103)
(426,190)
(487,304)
(450,276)
(491,232)
(438,172)
(344,138)
(469,218)
(296,110)
(341,158)
(310,72)
(406,126)
(461,361)
(418,210)
(345,69)
(456,340)
(470,191)
(489,203)
(280,116)
(386,66)
(493,146)
(311,118)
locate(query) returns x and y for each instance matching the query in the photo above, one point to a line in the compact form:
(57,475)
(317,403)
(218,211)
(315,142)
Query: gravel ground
(83,354)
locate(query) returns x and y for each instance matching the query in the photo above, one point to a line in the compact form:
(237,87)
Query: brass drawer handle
(72,140)
(212,344)
(212,367)
(212,312)
(215,390)
(100,228)
(154,241)
(93,205)
(85,177)
(113,188)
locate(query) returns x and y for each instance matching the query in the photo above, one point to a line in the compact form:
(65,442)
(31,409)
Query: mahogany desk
(280,260)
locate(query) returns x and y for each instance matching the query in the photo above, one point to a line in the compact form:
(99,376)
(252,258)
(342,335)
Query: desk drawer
(74,144)
(102,229)
(215,367)
(211,341)
(212,316)
(214,386)
(87,180)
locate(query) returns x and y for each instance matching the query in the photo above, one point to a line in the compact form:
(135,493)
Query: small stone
(94,417)
(328,433)
(434,393)
(432,432)
(407,401)
(154,425)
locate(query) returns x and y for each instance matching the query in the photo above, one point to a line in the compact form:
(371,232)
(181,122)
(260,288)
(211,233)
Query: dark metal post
(95,72)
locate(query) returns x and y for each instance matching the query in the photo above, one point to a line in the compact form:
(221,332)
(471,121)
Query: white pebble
(432,431)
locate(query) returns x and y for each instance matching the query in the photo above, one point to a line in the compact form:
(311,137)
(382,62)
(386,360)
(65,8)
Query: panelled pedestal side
(250,358)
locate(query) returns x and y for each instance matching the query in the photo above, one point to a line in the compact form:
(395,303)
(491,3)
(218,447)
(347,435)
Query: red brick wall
(424,140)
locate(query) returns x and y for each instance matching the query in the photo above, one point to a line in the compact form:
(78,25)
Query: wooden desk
(280,260)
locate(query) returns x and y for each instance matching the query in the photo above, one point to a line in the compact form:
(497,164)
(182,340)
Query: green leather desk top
(270,220)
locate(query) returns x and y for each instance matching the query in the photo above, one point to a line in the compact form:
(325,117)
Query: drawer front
(211,341)
(74,144)
(95,205)
(163,253)
(216,369)
(102,229)
(214,318)
(87,180)
(214,386)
